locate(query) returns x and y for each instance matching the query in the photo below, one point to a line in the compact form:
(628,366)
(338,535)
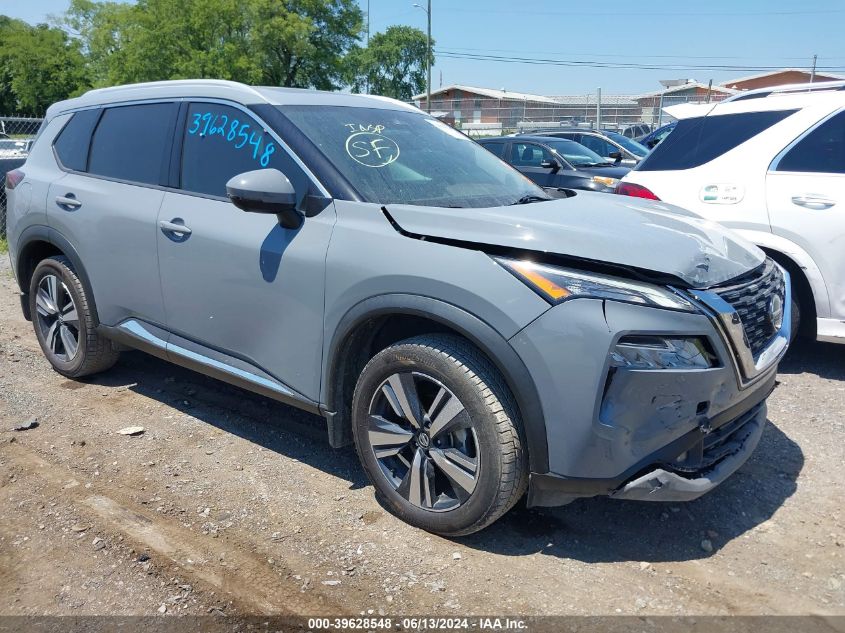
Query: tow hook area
(664,485)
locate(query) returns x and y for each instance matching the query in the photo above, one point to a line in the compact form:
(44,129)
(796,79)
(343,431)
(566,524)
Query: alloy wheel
(423,441)
(58,318)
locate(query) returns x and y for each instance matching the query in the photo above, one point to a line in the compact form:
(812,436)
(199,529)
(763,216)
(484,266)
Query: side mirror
(550,164)
(266,191)
(616,156)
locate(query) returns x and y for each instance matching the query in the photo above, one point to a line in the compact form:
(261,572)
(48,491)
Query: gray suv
(354,257)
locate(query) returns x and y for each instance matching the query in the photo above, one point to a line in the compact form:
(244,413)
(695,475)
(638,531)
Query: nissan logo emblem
(776,311)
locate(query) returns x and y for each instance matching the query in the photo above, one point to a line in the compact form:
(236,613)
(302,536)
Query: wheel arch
(37,243)
(380,321)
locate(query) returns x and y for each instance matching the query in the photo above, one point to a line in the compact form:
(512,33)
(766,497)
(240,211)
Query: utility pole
(598,108)
(368,42)
(813,72)
(709,90)
(428,57)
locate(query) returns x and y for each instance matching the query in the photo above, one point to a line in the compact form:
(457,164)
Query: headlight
(607,181)
(659,352)
(559,284)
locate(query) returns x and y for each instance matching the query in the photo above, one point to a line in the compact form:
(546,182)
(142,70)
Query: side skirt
(163,344)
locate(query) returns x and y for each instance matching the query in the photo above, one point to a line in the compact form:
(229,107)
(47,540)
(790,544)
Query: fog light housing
(663,352)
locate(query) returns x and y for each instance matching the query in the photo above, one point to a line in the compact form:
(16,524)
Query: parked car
(653,139)
(611,146)
(636,130)
(771,165)
(354,257)
(14,148)
(556,162)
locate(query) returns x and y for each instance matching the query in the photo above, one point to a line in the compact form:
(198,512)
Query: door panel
(235,281)
(242,284)
(113,226)
(805,192)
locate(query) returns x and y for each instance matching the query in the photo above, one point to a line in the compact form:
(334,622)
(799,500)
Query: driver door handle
(174,226)
(813,202)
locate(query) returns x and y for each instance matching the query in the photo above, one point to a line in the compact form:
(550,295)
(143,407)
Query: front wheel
(439,435)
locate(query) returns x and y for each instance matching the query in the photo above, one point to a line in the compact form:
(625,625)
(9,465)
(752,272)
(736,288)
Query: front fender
(494,346)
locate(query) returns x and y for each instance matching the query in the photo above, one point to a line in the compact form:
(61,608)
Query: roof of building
(216,88)
(488,92)
(686,86)
(591,99)
(771,73)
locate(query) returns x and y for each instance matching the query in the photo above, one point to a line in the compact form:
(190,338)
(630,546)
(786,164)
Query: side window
(495,148)
(599,146)
(74,140)
(698,140)
(221,141)
(133,142)
(821,151)
(528,155)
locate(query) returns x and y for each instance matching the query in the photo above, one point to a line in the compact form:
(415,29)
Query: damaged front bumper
(724,454)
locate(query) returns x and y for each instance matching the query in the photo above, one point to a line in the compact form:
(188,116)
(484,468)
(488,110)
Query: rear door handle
(176,226)
(68,201)
(813,202)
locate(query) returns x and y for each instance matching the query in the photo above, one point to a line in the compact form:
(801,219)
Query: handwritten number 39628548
(235,132)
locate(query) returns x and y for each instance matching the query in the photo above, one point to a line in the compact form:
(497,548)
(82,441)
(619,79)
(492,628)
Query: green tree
(297,43)
(38,66)
(393,64)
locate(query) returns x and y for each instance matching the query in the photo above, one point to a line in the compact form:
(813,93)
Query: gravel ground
(230,503)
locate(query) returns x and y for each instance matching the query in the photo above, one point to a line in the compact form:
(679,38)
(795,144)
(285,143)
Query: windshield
(576,154)
(402,157)
(630,144)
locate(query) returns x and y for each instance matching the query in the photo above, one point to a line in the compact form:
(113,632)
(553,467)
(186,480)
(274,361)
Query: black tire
(93,353)
(492,415)
(795,323)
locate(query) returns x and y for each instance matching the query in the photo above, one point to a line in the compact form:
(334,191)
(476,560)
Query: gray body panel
(114,233)
(242,284)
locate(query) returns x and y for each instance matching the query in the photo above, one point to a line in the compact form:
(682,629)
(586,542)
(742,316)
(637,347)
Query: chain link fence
(483,116)
(16,136)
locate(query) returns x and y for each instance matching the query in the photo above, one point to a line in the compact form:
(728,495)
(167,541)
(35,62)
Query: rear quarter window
(699,140)
(74,140)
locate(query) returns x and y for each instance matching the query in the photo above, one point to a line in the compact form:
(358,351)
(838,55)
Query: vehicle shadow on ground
(589,530)
(270,425)
(600,529)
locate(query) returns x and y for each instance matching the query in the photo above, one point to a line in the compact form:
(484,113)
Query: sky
(634,45)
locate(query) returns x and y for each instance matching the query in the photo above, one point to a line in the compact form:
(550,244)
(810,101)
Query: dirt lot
(230,503)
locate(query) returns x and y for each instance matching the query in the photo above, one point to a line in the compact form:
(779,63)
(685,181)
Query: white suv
(769,164)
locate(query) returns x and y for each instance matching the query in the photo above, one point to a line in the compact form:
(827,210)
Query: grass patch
(4,245)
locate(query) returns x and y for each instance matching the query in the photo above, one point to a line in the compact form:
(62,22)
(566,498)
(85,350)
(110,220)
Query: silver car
(474,337)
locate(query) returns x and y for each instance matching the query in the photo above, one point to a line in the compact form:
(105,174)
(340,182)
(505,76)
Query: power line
(621,65)
(593,14)
(802,58)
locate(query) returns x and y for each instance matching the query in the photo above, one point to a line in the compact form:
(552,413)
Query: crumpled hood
(650,236)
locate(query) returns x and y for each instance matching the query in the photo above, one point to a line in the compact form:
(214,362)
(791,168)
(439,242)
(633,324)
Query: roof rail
(167,82)
(760,93)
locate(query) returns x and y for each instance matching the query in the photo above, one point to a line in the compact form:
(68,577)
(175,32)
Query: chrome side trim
(155,340)
(729,326)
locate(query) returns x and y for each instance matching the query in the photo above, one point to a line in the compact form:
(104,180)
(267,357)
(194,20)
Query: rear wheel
(439,435)
(63,321)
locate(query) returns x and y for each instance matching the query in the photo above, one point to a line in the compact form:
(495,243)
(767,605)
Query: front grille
(751,298)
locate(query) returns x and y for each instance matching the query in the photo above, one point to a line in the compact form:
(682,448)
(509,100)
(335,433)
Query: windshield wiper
(528,199)
(595,165)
